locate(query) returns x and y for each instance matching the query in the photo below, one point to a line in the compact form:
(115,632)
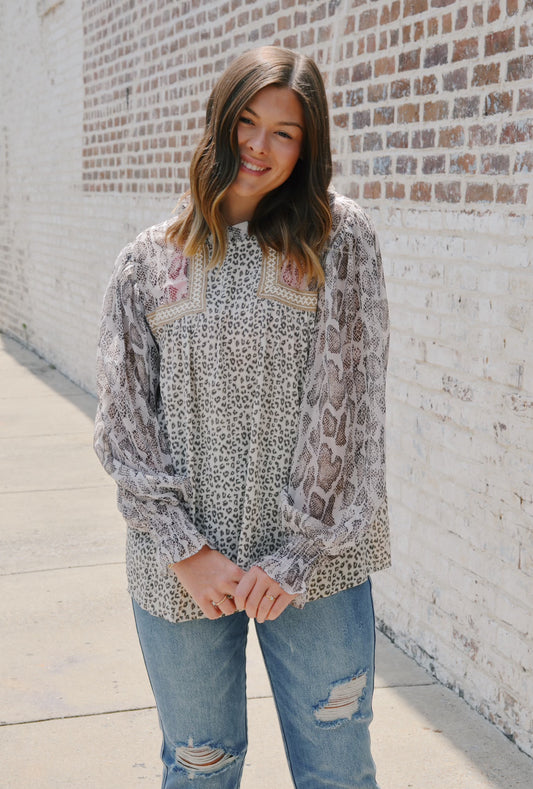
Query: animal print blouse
(242,410)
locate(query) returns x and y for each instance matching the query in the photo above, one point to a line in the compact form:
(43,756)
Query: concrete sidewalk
(75,704)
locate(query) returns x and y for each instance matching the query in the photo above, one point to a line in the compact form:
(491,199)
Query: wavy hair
(295,218)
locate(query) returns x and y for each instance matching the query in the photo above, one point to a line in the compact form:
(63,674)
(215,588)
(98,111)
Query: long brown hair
(295,218)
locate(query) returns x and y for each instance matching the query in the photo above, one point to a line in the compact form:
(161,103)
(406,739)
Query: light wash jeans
(320,660)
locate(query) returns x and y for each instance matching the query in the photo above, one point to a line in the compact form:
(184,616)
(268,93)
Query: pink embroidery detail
(290,275)
(177,278)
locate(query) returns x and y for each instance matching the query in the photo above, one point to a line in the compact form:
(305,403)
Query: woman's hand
(210,577)
(261,597)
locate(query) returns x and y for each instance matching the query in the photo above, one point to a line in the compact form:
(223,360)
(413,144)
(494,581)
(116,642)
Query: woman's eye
(246,120)
(285,135)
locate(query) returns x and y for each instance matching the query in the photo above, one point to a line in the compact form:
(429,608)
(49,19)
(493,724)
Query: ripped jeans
(320,661)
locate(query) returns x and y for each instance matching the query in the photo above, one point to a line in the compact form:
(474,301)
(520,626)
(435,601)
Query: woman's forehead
(279,102)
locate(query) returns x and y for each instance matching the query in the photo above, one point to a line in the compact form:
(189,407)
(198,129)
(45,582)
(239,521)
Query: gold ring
(270,597)
(220,601)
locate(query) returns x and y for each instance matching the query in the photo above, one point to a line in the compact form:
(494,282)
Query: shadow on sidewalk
(46,373)
(427,718)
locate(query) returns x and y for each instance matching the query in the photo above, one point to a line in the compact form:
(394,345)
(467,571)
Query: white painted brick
(513,255)
(521,285)
(509,642)
(481,225)
(459,276)
(441,355)
(512,613)
(495,281)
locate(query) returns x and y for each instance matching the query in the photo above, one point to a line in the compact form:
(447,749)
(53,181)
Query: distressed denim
(320,661)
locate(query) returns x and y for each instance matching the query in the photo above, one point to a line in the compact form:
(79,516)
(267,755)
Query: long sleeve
(130,437)
(337,480)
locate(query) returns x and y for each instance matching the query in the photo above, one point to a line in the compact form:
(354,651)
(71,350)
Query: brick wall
(432,98)
(437,100)
(432,121)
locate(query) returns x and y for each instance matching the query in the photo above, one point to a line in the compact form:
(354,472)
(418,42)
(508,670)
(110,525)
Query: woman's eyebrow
(279,123)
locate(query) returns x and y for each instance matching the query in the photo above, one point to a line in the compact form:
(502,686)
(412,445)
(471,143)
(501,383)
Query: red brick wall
(439,102)
(432,99)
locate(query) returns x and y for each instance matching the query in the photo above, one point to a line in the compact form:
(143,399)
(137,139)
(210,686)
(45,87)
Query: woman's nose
(258,142)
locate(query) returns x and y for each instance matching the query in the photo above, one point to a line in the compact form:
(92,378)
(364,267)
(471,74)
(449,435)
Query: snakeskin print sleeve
(130,438)
(337,482)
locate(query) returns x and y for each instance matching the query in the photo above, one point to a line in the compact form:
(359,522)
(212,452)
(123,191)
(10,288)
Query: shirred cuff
(169,551)
(292,565)
(309,542)
(175,537)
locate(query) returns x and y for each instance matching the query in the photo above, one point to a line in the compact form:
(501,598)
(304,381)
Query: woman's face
(270,134)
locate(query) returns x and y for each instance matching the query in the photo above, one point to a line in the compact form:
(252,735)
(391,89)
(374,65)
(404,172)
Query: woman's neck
(236,211)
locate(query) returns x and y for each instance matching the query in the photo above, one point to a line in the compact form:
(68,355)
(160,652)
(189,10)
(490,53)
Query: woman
(241,379)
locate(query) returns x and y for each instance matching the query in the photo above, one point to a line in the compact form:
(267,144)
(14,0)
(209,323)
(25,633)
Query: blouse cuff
(292,566)
(174,536)
(169,551)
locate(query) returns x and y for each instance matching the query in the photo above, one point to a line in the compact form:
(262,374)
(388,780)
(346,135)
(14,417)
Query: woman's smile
(250,167)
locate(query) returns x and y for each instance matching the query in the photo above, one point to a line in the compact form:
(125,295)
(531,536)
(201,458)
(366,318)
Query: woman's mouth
(253,168)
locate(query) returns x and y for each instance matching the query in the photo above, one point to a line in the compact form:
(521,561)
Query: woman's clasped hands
(221,588)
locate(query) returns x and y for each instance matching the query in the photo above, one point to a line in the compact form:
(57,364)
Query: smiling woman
(241,381)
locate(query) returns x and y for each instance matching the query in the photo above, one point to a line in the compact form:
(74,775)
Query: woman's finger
(249,581)
(261,586)
(226,606)
(279,606)
(254,594)
(254,598)
(266,604)
(242,590)
(210,611)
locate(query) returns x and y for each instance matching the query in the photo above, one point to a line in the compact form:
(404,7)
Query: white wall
(459,596)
